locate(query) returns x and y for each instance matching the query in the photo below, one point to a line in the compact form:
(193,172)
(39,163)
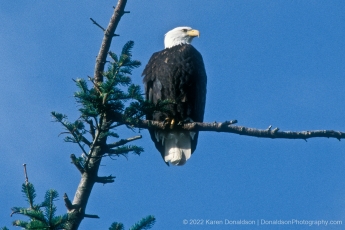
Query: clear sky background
(278,63)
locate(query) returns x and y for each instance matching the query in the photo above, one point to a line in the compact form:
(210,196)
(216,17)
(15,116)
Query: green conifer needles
(42,216)
(107,105)
(143,224)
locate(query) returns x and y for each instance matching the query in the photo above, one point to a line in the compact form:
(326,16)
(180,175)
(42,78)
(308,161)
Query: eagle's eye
(184,30)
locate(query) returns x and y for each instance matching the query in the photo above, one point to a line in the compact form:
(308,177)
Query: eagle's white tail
(177,146)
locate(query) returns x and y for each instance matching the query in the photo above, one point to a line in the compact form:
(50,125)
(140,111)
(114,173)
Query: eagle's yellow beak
(193,33)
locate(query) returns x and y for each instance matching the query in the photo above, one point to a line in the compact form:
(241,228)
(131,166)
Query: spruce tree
(103,108)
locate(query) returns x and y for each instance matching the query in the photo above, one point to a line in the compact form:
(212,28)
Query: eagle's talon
(172,123)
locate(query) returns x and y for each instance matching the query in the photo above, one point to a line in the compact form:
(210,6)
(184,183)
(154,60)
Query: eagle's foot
(169,121)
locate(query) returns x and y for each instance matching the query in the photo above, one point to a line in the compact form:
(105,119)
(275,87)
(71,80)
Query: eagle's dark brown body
(178,74)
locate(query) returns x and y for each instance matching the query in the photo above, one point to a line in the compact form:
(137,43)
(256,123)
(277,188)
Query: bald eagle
(176,73)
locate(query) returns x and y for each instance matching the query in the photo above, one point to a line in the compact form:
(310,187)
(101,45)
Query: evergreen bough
(42,215)
(117,99)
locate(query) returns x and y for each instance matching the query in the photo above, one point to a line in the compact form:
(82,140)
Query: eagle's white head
(180,35)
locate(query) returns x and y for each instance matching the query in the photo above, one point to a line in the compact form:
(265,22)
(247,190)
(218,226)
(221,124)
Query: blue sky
(278,63)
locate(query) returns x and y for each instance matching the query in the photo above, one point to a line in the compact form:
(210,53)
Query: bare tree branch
(122,150)
(108,35)
(123,141)
(91,216)
(227,127)
(105,179)
(94,22)
(67,201)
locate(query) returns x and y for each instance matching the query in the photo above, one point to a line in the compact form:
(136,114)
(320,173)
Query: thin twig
(99,130)
(26,175)
(95,85)
(124,141)
(94,22)
(91,216)
(73,133)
